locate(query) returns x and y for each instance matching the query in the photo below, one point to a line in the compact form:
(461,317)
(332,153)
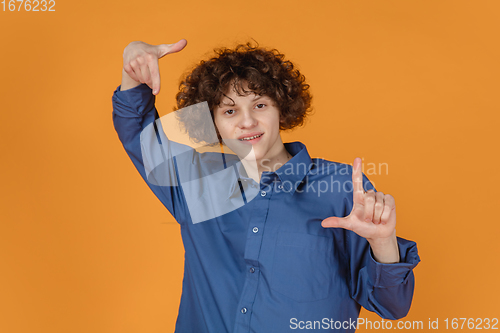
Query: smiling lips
(250,138)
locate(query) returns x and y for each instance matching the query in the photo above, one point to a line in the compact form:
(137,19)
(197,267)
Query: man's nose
(247,119)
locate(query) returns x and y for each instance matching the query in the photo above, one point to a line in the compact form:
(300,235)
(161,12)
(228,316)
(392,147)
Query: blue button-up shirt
(267,265)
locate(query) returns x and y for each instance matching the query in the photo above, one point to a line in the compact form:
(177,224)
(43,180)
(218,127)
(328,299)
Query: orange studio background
(410,86)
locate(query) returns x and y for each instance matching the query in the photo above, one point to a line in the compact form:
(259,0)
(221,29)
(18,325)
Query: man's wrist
(128,82)
(385,250)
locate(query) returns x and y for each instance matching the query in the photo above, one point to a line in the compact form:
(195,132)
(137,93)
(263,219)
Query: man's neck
(254,168)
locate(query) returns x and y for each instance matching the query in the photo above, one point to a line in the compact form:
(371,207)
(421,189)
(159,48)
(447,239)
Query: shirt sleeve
(134,119)
(386,289)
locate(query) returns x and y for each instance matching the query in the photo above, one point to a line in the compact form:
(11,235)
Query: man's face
(250,125)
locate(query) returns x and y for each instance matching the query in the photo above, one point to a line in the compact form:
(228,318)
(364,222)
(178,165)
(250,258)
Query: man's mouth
(251,137)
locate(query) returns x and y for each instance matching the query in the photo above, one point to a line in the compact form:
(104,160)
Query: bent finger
(369,205)
(379,207)
(389,208)
(130,72)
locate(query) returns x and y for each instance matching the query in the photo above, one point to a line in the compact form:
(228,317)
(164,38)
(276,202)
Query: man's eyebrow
(232,103)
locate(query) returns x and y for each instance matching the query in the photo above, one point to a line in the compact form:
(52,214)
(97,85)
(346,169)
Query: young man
(268,248)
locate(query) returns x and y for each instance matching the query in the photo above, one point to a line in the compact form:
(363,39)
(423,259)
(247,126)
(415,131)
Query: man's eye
(260,106)
(229,112)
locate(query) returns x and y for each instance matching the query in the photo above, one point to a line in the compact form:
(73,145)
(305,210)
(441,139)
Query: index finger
(155,77)
(357,180)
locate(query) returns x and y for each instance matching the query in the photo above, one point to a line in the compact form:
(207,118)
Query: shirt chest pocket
(303,266)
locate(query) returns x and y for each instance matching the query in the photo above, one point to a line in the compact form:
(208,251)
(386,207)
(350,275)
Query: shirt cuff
(390,275)
(133,102)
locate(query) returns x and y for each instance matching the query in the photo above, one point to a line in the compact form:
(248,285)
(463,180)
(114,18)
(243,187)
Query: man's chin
(243,150)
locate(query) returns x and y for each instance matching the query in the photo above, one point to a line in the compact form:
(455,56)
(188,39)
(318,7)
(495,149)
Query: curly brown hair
(265,71)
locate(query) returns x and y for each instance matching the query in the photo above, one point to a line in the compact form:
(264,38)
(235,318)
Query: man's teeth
(251,137)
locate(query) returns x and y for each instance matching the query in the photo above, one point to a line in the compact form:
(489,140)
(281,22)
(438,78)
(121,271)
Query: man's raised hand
(140,63)
(373,216)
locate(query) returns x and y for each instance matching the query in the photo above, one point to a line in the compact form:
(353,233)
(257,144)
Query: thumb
(164,49)
(337,222)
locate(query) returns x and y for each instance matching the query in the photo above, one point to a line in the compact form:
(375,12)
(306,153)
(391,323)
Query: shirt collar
(291,174)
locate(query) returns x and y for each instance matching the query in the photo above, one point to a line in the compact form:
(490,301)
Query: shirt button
(252,270)
(280,187)
(255,230)
(263,193)
(244,310)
